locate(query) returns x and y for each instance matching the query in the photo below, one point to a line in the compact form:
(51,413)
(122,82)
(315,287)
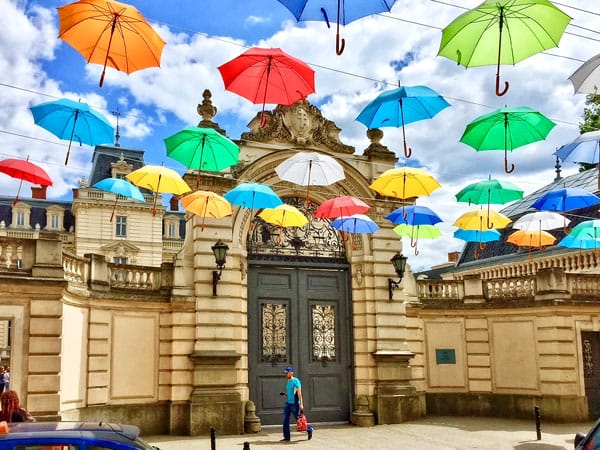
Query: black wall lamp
(399,263)
(220,251)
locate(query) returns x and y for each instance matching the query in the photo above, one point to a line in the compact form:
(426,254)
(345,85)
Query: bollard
(538,428)
(246,445)
(213,438)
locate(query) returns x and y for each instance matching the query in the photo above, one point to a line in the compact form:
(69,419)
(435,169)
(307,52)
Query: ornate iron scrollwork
(323,333)
(274,333)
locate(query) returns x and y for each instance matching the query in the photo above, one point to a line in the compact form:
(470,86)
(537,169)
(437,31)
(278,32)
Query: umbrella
(586,148)
(206,204)
(253,196)
(474,220)
(345,205)
(588,229)
(587,77)
(413,215)
(404,182)
(158,179)
(541,220)
(310,169)
(476,36)
(481,236)
(285,216)
(580,242)
(356,224)
(347,11)
(121,187)
(202,149)
(531,238)
(268,75)
(489,191)
(70,120)
(24,170)
(400,107)
(417,231)
(507,129)
(111,34)
(565,199)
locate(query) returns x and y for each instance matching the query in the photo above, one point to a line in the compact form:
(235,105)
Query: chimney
(174,203)
(453,256)
(39,192)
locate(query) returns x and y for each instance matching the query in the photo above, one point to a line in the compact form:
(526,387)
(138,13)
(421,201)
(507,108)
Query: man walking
(293,403)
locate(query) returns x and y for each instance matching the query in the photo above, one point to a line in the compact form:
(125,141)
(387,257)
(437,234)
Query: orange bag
(301,424)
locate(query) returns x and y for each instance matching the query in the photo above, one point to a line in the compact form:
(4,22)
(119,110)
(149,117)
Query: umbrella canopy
(588,229)
(507,129)
(206,204)
(503,32)
(24,170)
(356,223)
(413,215)
(400,107)
(416,232)
(158,179)
(253,196)
(586,78)
(345,205)
(310,169)
(541,220)
(405,182)
(202,149)
(585,148)
(477,235)
(121,187)
(580,242)
(565,199)
(110,33)
(268,75)
(531,238)
(70,120)
(346,12)
(284,215)
(476,220)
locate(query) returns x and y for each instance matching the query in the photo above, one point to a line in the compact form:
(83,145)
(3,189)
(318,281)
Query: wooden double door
(300,317)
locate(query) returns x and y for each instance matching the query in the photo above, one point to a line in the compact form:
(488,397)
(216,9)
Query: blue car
(72,436)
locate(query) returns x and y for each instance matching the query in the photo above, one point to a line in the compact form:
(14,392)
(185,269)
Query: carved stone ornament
(299,124)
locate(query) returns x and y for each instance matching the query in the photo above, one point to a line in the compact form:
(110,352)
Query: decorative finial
(117,135)
(557,166)
(206,110)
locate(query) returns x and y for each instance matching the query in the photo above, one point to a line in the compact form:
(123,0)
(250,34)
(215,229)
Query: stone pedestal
(215,401)
(397,400)
(473,289)
(551,284)
(362,416)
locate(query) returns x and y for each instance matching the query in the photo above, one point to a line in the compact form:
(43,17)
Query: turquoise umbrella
(120,187)
(253,196)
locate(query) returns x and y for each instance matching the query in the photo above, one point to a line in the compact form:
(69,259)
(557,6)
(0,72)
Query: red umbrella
(268,75)
(24,170)
(341,206)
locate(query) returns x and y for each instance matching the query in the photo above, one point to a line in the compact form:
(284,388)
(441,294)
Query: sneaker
(310,435)
(284,440)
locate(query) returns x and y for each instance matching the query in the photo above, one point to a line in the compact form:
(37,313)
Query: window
(20,218)
(55,221)
(121,227)
(120,260)
(171,230)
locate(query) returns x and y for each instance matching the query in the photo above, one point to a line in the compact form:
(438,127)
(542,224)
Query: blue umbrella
(413,215)
(121,187)
(346,12)
(70,120)
(356,223)
(402,106)
(477,235)
(253,196)
(586,148)
(580,243)
(565,199)
(584,235)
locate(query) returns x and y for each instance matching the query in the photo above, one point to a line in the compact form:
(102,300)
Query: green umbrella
(202,149)
(414,232)
(528,26)
(507,129)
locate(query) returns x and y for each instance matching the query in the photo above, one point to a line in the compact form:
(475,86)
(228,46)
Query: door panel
(299,317)
(590,345)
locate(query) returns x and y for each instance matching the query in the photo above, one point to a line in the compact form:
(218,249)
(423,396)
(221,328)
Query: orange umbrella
(206,204)
(111,34)
(531,238)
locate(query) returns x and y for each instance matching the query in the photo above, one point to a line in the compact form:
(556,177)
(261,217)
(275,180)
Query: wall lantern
(220,251)
(399,263)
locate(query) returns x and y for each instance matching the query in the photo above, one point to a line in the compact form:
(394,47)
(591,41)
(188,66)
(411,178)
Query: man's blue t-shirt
(291,386)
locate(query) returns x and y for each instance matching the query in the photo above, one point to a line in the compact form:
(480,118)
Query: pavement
(431,433)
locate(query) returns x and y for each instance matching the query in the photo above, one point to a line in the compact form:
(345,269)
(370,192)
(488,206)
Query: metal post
(213,438)
(538,428)
(246,445)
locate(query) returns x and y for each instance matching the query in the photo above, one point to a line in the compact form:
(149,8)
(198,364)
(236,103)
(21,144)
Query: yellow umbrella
(405,182)
(206,204)
(479,218)
(284,215)
(158,179)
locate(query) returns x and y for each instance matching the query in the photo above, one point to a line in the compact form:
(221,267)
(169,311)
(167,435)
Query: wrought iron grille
(274,332)
(323,332)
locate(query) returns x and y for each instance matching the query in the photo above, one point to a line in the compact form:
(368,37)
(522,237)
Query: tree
(591,122)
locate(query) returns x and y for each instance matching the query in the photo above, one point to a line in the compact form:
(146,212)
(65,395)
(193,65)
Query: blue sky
(380,51)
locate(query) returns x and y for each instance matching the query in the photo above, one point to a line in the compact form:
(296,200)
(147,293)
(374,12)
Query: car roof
(99,430)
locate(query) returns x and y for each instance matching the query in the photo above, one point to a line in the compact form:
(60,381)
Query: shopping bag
(301,424)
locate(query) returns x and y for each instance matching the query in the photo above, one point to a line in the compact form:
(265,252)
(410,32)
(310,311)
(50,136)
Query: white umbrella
(310,169)
(586,78)
(541,220)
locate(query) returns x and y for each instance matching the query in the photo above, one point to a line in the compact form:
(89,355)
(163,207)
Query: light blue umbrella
(120,187)
(580,243)
(356,223)
(402,106)
(71,120)
(253,196)
(477,235)
(413,215)
(586,149)
(565,199)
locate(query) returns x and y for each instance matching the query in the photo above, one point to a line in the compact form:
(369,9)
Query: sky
(381,51)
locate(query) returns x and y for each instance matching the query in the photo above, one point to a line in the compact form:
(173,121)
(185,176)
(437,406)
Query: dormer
(55,218)
(21,216)
(171,227)
(121,168)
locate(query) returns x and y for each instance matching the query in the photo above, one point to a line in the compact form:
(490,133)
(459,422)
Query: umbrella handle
(499,92)
(512,166)
(416,251)
(475,253)
(407,151)
(339,44)
(482,246)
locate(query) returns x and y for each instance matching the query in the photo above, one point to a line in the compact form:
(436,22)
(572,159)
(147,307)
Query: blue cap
(288,369)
